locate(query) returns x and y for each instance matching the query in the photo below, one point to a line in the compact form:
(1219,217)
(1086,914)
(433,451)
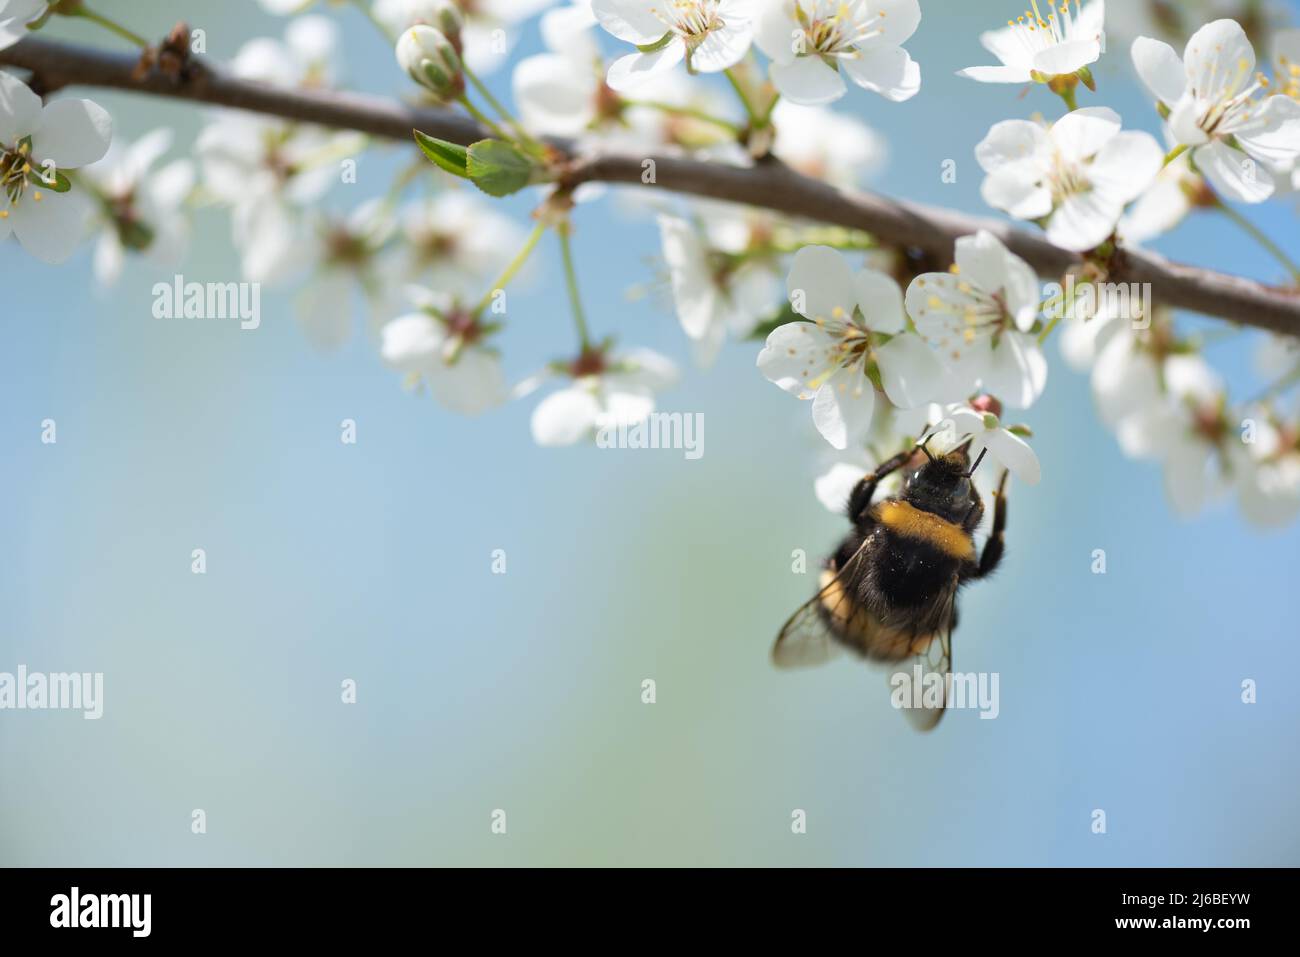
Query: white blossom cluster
(884,345)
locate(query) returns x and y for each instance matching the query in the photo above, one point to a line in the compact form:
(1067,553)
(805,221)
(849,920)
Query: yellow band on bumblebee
(912,522)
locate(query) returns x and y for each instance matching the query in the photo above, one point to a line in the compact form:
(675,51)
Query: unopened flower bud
(430,59)
(442,14)
(986,404)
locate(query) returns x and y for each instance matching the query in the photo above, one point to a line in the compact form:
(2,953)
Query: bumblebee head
(942,484)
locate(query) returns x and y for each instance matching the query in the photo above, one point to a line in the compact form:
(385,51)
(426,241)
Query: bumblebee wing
(936,659)
(807,639)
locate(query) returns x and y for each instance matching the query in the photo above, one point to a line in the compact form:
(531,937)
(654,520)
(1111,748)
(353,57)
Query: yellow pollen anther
(969,336)
(36,195)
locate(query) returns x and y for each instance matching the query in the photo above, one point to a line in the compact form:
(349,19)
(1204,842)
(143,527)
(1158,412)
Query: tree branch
(769,185)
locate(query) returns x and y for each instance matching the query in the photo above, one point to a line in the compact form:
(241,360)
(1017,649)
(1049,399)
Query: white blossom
(140,207)
(345,251)
(1004,448)
(1078,175)
(36,143)
(808,41)
(978,317)
(1236,137)
(1037,47)
(604,391)
(456,242)
(715,291)
(857,329)
(709,35)
(14,17)
(446,348)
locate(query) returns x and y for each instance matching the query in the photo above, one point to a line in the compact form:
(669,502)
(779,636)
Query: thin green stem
(483,118)
(744,99)
(1050,327)
(1174,153)
(1277,387)
(694,114)
(512,270)
(112,26)
(501,111)
(1067,94)
(401,181)
(771,108)
(571,279)
(1262,238)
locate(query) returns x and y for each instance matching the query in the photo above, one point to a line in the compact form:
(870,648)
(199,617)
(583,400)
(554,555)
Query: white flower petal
(1220,60)
(1016,371)
(50,228)
(1160,68)
(1063,59)
(1272,134)
(836,485)
(909,371)
(808,81)
(775,30)
(412,343)
(1016,192)
(633,21)
(471,385)
(889,71)
(1126,166)
(1082,133)
(1084,221)
(1010,142)
(996,74)
(723,48)
(629,72)
(1015,454)
(843,406)
(822,282)
(880,300)
(20,110)
(565,417)
(795,356)
(1234,174)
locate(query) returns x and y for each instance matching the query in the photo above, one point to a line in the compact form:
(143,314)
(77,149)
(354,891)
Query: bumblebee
(889,592)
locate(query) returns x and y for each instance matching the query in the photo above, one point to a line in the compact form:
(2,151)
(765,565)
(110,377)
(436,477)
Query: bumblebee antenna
(921,445)
(983,452)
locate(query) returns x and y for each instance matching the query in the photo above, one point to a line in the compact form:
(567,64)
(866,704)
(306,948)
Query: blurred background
(522,691)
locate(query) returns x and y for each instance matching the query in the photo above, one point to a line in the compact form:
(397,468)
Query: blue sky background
(522,691)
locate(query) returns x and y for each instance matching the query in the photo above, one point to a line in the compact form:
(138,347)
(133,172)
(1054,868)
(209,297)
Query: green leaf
(499,168)
(454,159)
(58,184)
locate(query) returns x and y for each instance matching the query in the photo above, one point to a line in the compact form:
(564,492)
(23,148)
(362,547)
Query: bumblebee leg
(994,547)
(865,490)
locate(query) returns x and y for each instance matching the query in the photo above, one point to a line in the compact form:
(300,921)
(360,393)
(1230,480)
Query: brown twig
(769,185)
